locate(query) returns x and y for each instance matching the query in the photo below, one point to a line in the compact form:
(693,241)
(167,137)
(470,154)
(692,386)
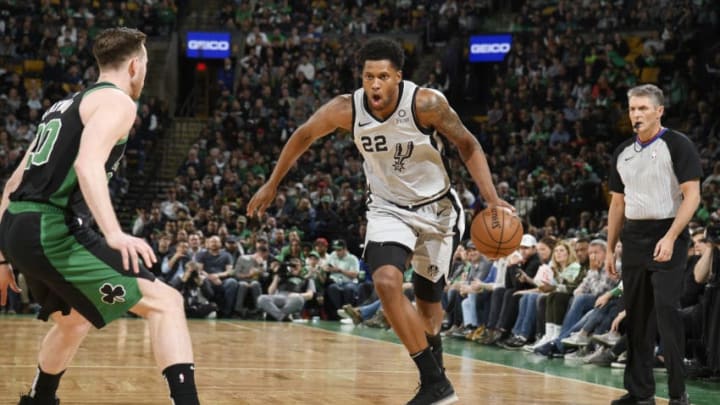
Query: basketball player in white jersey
(413,213)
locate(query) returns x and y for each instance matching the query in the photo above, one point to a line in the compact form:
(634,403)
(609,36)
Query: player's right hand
(261,200)
(7,279)
(132,249)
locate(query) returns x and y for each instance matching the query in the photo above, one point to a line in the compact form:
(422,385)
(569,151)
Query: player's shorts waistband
(413,207)
(17,207)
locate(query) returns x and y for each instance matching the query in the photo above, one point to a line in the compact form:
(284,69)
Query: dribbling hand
(132,249)
(7,279)
(501,204)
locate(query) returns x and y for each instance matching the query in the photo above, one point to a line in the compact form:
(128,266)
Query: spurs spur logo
(402,152)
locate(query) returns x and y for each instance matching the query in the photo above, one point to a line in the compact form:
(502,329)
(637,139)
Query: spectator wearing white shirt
(256,40)
(306,68)
(343,269)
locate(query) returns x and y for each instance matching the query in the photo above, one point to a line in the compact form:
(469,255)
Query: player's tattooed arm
(434,111)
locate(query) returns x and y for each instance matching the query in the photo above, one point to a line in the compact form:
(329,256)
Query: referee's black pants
(652,292)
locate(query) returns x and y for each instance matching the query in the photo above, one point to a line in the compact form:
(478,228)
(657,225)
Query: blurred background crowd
(549,117)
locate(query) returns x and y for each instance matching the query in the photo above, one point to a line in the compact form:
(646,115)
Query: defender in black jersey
(655,185)
(80,277)
(39,244)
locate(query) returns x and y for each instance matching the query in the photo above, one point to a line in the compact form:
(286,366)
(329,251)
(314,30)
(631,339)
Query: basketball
(496,232)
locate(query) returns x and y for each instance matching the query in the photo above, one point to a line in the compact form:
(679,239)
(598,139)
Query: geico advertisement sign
(208,45)
(197,44)
(490,48)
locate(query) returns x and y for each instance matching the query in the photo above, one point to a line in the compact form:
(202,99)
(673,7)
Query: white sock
(555,330)
(549,331)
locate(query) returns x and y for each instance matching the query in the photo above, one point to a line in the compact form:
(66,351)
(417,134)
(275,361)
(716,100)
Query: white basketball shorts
(431,232)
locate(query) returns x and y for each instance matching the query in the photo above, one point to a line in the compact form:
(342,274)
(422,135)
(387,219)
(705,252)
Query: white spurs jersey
(403,163)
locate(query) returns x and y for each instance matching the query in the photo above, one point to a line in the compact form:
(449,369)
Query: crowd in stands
(554,298)
(555,111)
(46,54)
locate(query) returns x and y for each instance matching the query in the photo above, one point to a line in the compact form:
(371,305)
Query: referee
(655,185)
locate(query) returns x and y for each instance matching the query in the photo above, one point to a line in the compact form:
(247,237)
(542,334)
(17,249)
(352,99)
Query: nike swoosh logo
(362,124)
(628,158)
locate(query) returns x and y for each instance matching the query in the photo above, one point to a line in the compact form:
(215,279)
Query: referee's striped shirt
(649,174)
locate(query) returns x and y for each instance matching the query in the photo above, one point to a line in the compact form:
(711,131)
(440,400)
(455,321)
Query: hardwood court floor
(270,363)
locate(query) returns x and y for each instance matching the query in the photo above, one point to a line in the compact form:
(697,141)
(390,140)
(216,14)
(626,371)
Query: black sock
(435,342)
(45,385)
(429,370)
(181,380)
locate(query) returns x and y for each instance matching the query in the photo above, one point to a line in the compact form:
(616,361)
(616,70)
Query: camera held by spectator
(712,233)
(283,270)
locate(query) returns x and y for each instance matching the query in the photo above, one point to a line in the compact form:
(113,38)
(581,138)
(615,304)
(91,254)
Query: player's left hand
(261,200)
(7,279)
(132,249)
(501,204)
(664,249)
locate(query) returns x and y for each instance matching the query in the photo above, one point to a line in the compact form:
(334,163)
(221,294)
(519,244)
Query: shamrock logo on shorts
(112,294)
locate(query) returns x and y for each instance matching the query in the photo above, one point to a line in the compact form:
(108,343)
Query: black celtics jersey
(50,176)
